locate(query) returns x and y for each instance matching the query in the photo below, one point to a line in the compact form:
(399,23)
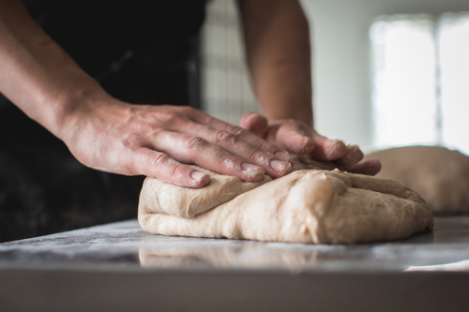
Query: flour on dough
(306,206)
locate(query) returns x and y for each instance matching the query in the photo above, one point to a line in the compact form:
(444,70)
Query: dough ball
(439,175)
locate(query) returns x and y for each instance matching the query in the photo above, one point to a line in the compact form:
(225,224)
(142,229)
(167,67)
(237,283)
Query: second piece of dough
(439,175)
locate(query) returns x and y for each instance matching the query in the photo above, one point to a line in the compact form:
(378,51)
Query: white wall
(341,66)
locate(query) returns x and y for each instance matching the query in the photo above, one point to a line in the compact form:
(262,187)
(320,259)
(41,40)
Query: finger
(326,149)
(160,166)
(292,137)
(254,123)
(274,165)
(369,167)
(231,143)
(353,156)
(242,134)
(190,149)
(302,162)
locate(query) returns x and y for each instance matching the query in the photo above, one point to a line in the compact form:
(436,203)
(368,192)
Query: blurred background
(385,72)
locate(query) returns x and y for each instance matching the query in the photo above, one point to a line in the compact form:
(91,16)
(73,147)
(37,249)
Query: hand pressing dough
(159,197)
(187,203)
(439,175)
(306,206)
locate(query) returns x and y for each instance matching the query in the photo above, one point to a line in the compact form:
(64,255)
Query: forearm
(36,74)
(279,58)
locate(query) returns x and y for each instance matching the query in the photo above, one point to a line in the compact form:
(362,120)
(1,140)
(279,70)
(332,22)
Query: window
(453,38)
(421,80)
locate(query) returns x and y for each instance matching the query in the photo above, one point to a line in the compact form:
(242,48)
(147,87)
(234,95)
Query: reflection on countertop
(125,245)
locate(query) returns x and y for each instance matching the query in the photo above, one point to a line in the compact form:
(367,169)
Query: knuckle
(204,118)
(195,143)
(239,132)
(260,158)
(159,160)
(222,137)
(167,117)
(132,142)
(141,122)
(232,163)
(179,170)
(187,110)
(266,146)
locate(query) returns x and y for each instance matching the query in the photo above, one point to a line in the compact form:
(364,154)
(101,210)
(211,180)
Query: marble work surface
(125,245)
(119,267)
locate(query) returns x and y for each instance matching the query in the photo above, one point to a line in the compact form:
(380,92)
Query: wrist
(72,108)
(285,101)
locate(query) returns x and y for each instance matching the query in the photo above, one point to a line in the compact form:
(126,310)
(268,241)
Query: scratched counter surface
(120,267)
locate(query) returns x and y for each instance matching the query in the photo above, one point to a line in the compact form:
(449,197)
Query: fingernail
(336,142)
(198,176)
(279,166)
(252,170)
(336,148)
(284,156)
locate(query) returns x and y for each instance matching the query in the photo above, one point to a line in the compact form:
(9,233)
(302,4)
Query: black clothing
(141,52)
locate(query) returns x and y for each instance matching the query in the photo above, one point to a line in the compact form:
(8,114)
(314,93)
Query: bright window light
(404,93)
(453,39)
(421,80)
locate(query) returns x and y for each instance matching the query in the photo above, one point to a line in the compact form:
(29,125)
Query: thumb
(255,123)
(292,137)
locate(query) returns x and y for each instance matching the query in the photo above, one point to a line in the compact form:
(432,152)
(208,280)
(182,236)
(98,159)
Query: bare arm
(110,135)
(37,75)
(279,57)
(277,44)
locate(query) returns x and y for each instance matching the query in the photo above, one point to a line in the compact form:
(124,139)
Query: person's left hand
(298,138)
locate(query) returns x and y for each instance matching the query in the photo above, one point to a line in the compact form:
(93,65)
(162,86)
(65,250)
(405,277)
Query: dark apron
(141,52)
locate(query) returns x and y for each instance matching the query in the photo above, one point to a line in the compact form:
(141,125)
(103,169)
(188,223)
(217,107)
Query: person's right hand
(159,142)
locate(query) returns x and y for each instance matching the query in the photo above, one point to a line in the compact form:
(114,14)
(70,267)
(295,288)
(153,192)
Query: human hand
(158,141)
(298,138)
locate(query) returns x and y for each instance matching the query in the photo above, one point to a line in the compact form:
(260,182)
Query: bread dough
(159,197)
(306,206)
(439,175)
(187,203)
